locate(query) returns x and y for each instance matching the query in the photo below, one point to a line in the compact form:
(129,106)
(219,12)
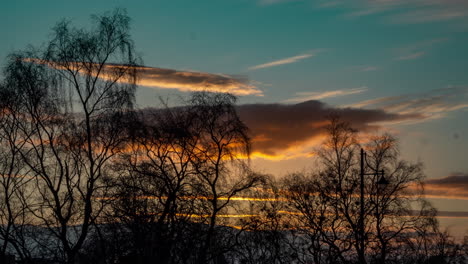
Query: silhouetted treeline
(87,178)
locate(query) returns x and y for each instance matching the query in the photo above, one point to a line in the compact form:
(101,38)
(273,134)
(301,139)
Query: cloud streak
(186,81)
(307,96)
(454,186)
(430,105)
(428,15)
(369,68)
(407,11)
(417,50)
(195,81)
(412,56)
(289,60)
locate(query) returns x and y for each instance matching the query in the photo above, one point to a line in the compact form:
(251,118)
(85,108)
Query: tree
(265,236)
(328,201)
(219,161)
(177,175)
(75,96)
(399,209)
(154,200)
(14,178)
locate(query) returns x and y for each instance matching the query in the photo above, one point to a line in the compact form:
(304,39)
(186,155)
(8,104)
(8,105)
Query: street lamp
(381,184)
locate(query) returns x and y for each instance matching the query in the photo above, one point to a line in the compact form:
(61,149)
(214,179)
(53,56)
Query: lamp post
(381,183)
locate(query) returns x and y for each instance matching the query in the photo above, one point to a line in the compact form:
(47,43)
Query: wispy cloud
(363,68)
(376,101)
(363,10)
(283,61)
(307,96)
(417,50)
(369,68)
(427,15)
(412,56)
(186,81)
(397,11)
(430,105)
(407,11)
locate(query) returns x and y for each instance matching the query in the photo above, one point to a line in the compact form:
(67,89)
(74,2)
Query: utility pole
(361,253)
(381,183)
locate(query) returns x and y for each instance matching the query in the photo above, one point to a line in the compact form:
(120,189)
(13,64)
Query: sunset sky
(397,65)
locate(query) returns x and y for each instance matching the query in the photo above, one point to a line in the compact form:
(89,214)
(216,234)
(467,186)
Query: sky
(394,65)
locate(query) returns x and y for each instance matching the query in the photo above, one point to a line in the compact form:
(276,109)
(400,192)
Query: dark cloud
(451,214)
(284,131)
(455,180)
(279,127)
(452,186)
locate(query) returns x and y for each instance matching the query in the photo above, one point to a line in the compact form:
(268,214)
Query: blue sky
(411,53)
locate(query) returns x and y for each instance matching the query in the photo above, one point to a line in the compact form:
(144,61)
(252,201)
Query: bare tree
(316,221)
(399,208)
(178,174)
(265,235)
(432,245)
(14,178)
(328,203)
(73,105)
(152,188)
(219,161)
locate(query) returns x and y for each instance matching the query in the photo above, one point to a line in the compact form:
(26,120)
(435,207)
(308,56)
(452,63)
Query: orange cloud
(186,81)
(307,96)
(282,131)
(289,60)
(454,186)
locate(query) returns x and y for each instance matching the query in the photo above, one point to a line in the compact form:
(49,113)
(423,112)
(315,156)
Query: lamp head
(382,182)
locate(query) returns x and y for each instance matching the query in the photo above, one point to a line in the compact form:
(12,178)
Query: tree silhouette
(219,161)
(152,184)
(86,178)
(72,111)
(328,202)
(14,178)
